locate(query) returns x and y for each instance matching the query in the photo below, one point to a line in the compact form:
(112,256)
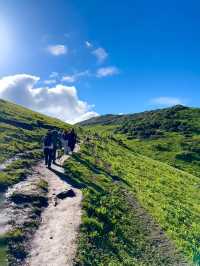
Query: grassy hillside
(169,135)
(113,232)
(155,157)
(140,178)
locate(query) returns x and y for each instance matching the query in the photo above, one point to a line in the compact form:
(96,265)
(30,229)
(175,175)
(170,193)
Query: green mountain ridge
(109,119)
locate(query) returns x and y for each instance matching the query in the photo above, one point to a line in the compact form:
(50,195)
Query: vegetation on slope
(126,146)
(104,169)
(169,135)
(127,191)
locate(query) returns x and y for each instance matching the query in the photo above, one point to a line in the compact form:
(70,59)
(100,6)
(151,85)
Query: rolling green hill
(139,175)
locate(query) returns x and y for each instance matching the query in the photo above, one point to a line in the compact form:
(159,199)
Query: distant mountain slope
(177,118)
(104,120)
(170,135)
(21,129)
(180,119)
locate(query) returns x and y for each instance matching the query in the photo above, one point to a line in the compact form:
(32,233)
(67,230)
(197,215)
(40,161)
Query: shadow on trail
(75,180)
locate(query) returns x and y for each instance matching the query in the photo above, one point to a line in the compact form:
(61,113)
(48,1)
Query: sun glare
(6,41)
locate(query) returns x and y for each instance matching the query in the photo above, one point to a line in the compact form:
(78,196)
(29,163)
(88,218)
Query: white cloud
(50,81)
(100,54)
(53,75)
(69,79)
(166,101)
(57,50)
(85,116)
(107,71)
(75,77)
(59,101)
(88,44)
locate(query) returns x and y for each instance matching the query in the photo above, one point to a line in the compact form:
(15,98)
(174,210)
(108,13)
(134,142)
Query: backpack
(47,141)
(65,136)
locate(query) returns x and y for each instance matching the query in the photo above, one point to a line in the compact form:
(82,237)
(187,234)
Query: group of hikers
(54,140)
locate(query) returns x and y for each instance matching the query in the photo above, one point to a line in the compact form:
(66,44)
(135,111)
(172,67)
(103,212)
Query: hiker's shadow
(76,181)
(67,179)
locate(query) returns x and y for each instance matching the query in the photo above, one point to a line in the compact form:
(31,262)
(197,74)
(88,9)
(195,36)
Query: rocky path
(18,156)
(54,243)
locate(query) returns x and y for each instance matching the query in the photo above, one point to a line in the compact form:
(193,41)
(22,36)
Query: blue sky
(108,56)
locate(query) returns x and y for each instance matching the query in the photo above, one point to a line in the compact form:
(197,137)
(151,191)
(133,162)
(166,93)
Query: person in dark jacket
(48,148)
(56,145)
(72,140)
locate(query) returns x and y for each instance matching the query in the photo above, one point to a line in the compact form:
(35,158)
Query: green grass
(174,149)
(15,172)
(169,135)
(43,185)
(3,254)
(13,236)
(171,197)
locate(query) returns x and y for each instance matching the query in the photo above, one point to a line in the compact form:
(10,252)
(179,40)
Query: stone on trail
(65,194)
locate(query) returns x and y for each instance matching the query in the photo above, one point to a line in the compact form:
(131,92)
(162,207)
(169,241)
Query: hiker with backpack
(56,144)
(72,140)
(48,148)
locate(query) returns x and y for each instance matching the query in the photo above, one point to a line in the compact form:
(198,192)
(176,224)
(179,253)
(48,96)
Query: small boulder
(66,194)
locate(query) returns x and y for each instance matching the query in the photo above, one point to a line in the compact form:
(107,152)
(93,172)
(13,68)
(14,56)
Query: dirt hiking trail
(54,243)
